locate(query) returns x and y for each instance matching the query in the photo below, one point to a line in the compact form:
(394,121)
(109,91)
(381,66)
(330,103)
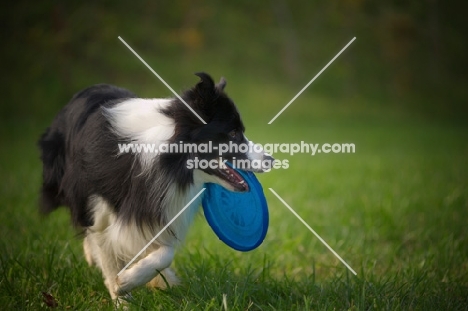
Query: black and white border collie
(122,200)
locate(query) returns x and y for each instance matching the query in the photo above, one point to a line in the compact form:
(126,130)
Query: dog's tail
(52,146)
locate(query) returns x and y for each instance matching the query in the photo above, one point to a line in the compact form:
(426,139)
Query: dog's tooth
(242,182)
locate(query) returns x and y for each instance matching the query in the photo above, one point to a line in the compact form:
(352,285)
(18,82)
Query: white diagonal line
(160,232)
(159,77)
(313,79)
(312,230)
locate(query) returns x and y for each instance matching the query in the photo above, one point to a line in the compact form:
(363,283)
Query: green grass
(395,210)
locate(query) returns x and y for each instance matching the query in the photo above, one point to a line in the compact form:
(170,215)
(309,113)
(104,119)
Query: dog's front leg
(145,270)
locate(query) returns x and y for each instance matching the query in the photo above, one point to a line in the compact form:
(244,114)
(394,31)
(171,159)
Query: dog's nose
(267,157)
(267,162)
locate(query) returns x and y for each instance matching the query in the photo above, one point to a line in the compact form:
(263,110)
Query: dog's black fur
(107,190)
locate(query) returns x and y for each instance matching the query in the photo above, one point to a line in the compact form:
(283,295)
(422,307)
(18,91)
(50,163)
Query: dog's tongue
(234,178)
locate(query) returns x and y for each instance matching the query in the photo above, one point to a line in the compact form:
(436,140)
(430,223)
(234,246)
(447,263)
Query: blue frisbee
(239,219)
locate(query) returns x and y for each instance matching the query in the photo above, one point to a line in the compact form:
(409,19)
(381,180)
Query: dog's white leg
(110,266)
(97,246)
(104,257)
(88,251)
(145,270)
(91,249)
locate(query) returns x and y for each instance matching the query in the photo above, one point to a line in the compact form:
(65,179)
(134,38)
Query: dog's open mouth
(233,178)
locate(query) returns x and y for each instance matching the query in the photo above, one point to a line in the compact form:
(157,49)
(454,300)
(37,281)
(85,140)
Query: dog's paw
(165,279)
(123,285)
(122,302)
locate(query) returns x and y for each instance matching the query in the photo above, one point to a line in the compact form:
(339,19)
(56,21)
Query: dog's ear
(206,87)
(222,84)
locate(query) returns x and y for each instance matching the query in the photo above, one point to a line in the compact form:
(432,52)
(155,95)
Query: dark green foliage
(407,55)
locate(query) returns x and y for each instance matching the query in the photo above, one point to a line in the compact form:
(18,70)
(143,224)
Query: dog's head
(218,141)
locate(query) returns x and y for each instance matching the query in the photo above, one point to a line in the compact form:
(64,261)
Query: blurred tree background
(409,55)
(396,210)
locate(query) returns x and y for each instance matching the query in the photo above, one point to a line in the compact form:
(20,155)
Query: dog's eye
(233,134)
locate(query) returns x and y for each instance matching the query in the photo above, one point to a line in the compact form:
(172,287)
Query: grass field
(396,211)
